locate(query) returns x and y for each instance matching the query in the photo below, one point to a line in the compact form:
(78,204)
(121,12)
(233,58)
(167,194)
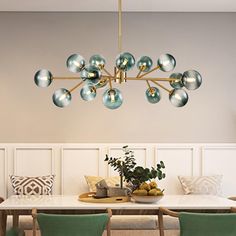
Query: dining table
(17,205)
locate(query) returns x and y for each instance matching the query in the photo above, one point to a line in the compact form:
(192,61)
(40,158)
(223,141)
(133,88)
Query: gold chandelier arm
(107,72)
(120,26)
(155,68)
(161,86)
(66,78)
(148,84)
(76,86)
(110,84)
(117,72)
(139,73)
(143,67)
(154,79)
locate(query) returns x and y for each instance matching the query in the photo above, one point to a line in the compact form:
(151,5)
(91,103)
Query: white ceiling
(128,5)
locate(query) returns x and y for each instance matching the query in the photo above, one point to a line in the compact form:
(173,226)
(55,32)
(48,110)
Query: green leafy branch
(129,172)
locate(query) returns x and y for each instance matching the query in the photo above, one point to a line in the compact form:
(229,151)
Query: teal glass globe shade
(91,73)
(43,78)
(98,61)
(191,79)
(61,97)
(88,92)
(178,97)
(178,82)
(166,62)
(125,61)
(75,63)
(112,98)
(144,64)
(153,95)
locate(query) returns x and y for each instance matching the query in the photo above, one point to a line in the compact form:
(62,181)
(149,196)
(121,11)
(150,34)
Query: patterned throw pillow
(211,185)
(92,180)
(39,185)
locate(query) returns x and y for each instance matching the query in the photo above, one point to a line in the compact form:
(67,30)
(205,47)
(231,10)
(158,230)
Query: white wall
(202,41)
(70,162)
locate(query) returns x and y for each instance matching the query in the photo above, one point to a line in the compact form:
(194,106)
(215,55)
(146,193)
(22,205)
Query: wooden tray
(88,197)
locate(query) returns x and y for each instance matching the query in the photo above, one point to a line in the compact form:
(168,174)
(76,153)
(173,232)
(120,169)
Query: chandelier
(95,76)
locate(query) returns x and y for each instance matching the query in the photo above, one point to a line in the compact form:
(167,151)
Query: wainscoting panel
(178,161)
(29,160)
(77,162)
(222,161)
(71,161)
(33,161)
(3,172)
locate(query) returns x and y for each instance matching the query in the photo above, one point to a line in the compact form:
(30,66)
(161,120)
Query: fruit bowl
(146,199)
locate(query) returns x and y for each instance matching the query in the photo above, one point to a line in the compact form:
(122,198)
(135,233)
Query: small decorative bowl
(146,199)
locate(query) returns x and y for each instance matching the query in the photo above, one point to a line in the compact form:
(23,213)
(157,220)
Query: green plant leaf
(130,172)
(162,164)
(107,158)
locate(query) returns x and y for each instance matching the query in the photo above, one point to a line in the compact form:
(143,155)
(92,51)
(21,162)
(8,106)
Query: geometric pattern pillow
(210,185)
(110,181)
(39,185)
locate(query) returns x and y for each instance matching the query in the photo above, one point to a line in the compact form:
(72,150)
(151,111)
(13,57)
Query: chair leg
(109,222)
(109,228)
(161,223)
(15,220)
(34,215)
(3,223)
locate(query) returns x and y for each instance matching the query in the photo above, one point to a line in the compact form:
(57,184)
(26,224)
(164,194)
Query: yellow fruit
(153,192)
(144,186)
(153,184)
(159,192)
(140,192)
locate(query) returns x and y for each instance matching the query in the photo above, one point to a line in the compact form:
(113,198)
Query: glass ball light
(191,79)
(75,63)
(166,62)
(144,63)
(153,95)
(43,78)
(112,98)
(178,97)
(102,83)
(61,97)
(178,82)
(125,61)
(91,73)
(88,92)
(98,61)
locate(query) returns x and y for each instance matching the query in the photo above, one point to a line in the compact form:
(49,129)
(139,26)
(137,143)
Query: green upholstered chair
(202,224)
(15,232)
(72,225)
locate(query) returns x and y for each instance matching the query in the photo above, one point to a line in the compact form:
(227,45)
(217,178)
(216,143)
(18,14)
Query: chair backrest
(73,225)
(15,232)
(206,224)
(201,224)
